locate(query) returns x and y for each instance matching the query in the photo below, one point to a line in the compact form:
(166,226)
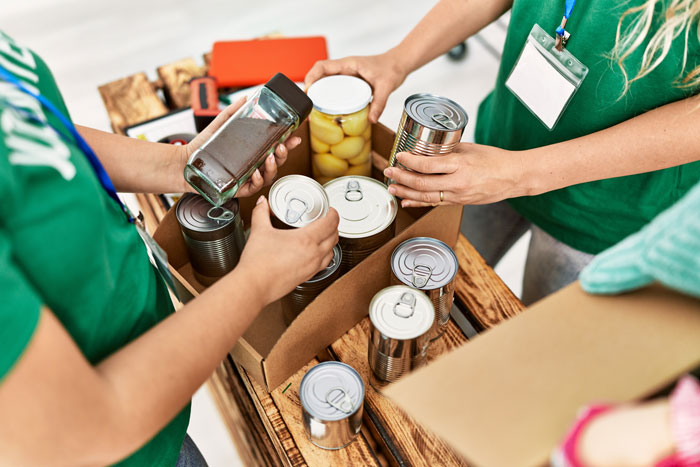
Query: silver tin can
(367,214)
(213,236)
(401,319)
(429,265)
(299,298)
(296,201)
(430,126)
(332,396)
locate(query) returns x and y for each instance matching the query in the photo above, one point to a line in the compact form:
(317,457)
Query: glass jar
(230,156)
(341,135)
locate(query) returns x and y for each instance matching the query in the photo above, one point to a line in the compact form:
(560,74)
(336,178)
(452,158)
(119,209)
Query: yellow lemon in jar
(368,133)
(362,169)
(363,156)
(319,146)
(356,124)
(329,165)
(348,148)
(325,130)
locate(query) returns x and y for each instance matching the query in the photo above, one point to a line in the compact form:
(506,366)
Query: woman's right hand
(278,260)
(383,72)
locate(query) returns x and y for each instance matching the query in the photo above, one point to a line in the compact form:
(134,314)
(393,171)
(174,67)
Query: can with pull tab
(296,201)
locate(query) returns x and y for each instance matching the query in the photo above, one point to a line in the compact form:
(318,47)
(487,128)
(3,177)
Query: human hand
(383,72)
(261,177)
(471,174)
(278,260)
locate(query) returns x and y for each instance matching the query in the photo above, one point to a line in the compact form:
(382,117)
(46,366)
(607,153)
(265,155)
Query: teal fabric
(667,250)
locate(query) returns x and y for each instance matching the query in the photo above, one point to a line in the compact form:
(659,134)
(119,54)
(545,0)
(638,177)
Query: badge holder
(544,78)
(158,256)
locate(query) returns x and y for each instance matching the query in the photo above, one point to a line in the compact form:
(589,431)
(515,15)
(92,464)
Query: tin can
(430,126)
(429,265)
(213,236)
(367,216)
(332,396)
(296,201)
(401,319)
(299,298)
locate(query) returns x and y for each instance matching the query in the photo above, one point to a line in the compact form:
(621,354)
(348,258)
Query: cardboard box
(508,397)
(270,351)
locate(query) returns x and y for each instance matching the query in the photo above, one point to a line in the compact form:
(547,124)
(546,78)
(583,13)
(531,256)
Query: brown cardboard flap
(508,396)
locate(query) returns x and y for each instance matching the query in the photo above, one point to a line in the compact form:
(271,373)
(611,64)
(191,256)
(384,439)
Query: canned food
(305,293)
(429,265)
(430,126)
(213,236)
(296,201)
(332,395)
(367,213)
(341,135)
(401,319)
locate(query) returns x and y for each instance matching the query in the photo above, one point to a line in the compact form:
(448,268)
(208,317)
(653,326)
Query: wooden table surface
(267,427)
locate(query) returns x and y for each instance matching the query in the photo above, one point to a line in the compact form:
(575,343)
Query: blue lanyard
(562,35)
(95,163)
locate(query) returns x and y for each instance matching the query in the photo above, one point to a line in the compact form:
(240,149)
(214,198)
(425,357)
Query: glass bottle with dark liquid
(230,156)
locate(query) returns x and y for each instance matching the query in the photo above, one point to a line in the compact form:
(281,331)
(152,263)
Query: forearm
(664,137)
(137,166)
(446,25)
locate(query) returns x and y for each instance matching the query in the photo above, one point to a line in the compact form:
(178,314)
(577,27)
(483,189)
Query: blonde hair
(678,19)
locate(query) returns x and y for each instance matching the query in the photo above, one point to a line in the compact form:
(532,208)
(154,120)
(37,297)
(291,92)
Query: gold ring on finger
(442,196)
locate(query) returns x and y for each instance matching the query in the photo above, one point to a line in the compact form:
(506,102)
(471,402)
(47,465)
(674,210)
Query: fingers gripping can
(429,265)
(213,236)
(297,201)
(400,322)
(332,395)
(367,216)
(429,126)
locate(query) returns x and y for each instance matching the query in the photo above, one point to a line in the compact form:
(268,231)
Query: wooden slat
(480,290)
(131,100)
(175,78)
(405,441)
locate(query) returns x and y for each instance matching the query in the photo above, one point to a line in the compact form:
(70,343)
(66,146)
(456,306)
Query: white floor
(88,43)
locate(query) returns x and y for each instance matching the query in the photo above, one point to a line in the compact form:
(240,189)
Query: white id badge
(159,258)
(545,79)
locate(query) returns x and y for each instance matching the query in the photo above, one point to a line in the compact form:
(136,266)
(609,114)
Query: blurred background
(89,43)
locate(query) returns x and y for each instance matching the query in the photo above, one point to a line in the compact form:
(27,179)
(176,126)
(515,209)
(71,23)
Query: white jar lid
(340,94)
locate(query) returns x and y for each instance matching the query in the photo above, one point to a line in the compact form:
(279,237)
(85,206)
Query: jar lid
(340,94)
(435,112)
(364,205)
(424,263)
(400,312)
(291,94)
(331,391)
(195,213)
(330,269)
(297,200)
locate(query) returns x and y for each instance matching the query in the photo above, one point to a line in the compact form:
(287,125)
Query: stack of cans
(332,395)
(367,216)
(213,236)
(429,265)
(401,319)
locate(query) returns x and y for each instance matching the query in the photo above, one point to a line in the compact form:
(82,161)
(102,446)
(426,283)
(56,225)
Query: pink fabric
(685,424)
(569,448)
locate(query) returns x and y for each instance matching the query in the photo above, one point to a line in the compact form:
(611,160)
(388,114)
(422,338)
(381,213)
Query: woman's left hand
(472,174)
(261,177)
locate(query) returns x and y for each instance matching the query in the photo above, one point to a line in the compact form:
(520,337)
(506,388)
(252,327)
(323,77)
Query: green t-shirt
(66,245)
(590,216)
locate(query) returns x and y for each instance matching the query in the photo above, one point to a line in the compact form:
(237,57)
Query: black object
(291,94)
(458,52)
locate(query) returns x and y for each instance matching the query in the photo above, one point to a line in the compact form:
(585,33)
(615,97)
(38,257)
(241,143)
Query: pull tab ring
(421,275)
(344,404)
(293,213)
(444,120)
(406,305)
(220,213)
(353,191)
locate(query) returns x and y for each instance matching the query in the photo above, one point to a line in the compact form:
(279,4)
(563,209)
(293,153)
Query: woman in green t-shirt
(94,366)
(623,150)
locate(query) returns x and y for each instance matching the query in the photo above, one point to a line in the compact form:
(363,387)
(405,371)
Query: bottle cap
(291,94)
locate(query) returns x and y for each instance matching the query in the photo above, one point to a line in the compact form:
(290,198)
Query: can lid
(297,200)
(424,263)
(331,391)
(331,268)
(291,94)
(364,205)
(435,112)
(400,312)
(340,94)
(195,213)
